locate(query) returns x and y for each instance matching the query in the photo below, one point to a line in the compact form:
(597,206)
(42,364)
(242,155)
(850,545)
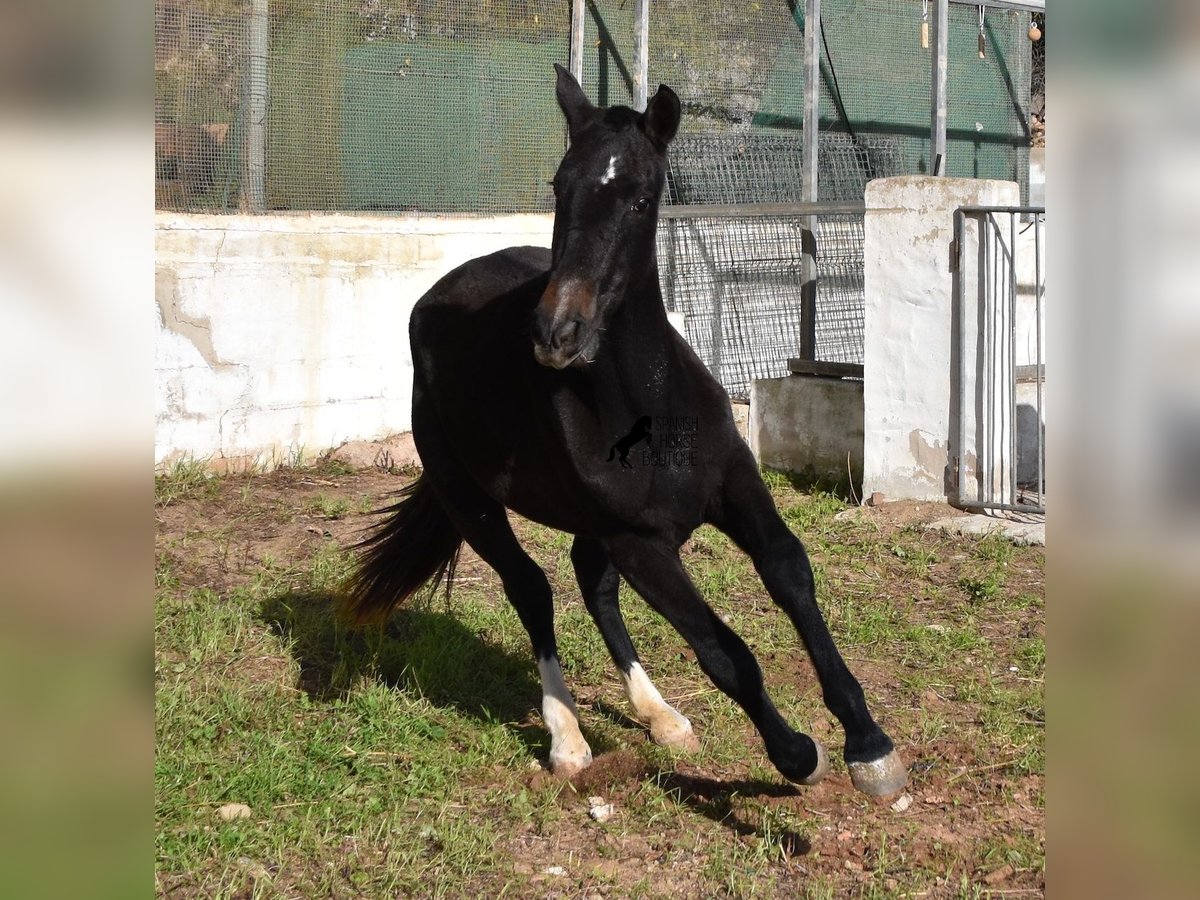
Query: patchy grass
(407,761)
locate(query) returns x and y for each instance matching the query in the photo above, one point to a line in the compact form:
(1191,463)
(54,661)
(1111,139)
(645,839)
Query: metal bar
(1037,308)
(753,210)
(990,358)
(254,155)
(810,184)
(1012,356)
(829,369)
(812,99)
(937,87)
(1003,209)
(1019,5)
(960,301)
(641,53)
(578,14)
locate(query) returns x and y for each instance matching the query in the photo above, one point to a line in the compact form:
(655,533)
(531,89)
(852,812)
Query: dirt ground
(971,817)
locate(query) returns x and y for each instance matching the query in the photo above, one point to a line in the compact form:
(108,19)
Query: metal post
(937,88)
(641,53)
(578,12)
(809,186)
(254,148)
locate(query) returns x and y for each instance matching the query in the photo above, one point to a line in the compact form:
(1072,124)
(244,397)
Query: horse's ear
(660,121)
(571,98)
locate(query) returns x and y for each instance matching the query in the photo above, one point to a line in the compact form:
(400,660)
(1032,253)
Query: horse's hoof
(567,765)
(880,777)
(676,732)
(822,768)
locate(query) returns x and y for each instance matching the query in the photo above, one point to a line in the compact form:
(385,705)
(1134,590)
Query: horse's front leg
(654,570)
(748,515)
(599,584)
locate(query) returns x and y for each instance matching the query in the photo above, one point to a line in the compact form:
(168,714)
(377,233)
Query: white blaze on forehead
(611,172)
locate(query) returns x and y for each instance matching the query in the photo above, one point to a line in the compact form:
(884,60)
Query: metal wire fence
(738,280)
(447,106)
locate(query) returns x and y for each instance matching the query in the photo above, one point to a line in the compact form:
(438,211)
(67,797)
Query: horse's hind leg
(748,515)
(599,584)
(483,524)
(655,572)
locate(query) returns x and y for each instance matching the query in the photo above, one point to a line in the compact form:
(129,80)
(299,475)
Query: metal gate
(999,345)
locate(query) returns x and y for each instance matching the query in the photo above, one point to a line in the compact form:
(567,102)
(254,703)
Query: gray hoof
(822,768)
(881,777)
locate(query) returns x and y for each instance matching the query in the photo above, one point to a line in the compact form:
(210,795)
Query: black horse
(529,365)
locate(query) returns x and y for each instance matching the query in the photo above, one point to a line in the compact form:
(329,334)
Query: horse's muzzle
(564,332)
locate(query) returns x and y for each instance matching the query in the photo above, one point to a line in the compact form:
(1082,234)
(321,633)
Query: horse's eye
(642,205)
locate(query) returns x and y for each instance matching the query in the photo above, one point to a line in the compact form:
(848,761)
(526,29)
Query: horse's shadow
(715,800)
(419,649)
(433,653)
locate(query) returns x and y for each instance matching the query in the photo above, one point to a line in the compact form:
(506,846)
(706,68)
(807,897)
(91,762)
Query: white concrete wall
(285,335)
(809,425)
(909,375)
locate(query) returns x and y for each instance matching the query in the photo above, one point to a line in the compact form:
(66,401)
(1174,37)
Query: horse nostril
(566,334)
(541,330)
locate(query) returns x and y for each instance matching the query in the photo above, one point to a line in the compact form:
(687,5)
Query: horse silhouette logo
(638,433)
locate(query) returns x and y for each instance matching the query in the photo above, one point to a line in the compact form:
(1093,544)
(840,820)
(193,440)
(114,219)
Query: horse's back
(479,281)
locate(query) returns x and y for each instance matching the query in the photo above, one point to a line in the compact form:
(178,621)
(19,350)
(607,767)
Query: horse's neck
(641,340)
(640,332)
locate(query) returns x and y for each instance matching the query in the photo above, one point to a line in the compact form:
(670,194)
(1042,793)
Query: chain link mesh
(447,106)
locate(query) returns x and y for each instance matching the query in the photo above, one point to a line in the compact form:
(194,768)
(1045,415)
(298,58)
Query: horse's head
(607,190)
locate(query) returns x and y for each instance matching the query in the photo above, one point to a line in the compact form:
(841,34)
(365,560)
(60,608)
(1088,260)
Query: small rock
(557,871)
(844,835)
(903,802)
(232,811)
(599,810)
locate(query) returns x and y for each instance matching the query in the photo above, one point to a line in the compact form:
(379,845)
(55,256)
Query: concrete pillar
(910,417)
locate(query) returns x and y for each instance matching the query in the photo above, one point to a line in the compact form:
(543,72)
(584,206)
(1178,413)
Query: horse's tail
(417,544)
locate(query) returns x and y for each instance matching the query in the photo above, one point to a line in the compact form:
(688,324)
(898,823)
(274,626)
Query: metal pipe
(810,182)
(254,147)
(1012,356)
(641,53)
(937,87)
(578,15)
(752,210)
(959,302)
(1003,209)
(1018,5)
(1037,308)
